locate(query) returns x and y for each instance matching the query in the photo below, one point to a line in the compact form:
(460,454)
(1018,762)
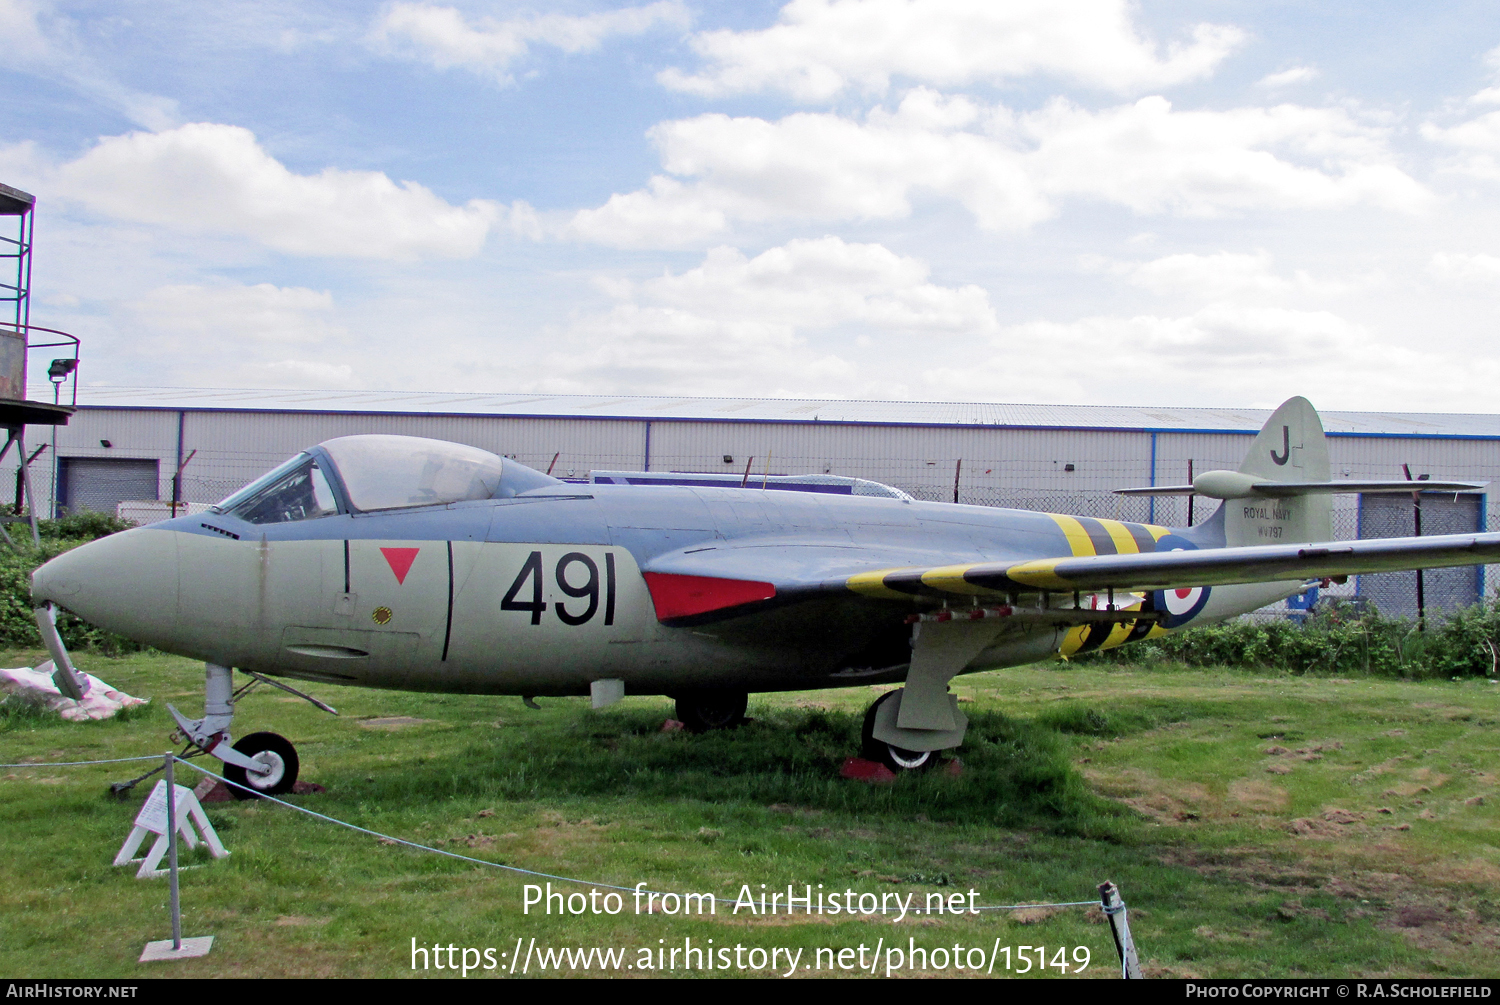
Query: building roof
(668,408)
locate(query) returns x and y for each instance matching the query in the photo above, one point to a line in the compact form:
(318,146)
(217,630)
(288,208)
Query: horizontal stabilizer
(1280,490)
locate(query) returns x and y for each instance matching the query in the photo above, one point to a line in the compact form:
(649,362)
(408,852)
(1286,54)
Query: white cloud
(228,334)
(1288,78)
(1222,276)
(1206,358)
(1490,95)
(819,48)
(207,178)
(226,315)
(298,373)
(1457,267)
(1010,171)
(444,38)
(1477,142)
(823,282)
(36,41)
(22,33)
(735,322)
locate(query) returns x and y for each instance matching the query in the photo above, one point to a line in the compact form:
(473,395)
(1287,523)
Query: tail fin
(1290,448)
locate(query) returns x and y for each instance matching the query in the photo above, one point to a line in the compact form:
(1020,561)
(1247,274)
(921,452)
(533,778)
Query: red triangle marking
(400,560)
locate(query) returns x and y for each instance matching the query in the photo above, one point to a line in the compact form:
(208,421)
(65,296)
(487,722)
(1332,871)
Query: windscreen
(390,472)
(297,490)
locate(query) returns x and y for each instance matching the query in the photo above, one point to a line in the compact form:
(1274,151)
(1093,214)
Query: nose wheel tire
(898,759)
(702,711)
(276,754)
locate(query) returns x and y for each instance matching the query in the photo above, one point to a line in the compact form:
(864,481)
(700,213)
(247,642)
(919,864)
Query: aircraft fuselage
(543,593)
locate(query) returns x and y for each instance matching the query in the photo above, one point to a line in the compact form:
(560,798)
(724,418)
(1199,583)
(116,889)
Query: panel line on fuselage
(448,628)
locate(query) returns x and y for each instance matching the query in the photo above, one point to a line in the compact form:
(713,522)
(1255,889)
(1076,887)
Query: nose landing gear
(265,763)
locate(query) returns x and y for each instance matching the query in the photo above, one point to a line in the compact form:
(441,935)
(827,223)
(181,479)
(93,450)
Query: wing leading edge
(1165,570)
(725,582)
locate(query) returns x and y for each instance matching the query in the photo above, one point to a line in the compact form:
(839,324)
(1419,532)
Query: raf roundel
(1179,606)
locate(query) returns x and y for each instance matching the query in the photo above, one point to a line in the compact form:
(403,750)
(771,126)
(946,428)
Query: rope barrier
(72,764)
(546,875)
(468,858)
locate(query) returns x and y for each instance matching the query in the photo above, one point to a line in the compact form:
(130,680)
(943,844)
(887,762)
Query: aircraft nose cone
(126,583)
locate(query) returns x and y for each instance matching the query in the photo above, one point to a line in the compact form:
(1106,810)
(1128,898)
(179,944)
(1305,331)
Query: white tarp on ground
(101,702)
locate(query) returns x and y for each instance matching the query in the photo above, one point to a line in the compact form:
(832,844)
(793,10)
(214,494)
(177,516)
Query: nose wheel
(277,759)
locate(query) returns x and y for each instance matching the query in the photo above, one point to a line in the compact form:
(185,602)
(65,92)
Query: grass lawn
(1256,825)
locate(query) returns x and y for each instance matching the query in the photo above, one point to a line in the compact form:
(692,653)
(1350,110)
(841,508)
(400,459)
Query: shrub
(1336,640)
(83,526)
(17,625)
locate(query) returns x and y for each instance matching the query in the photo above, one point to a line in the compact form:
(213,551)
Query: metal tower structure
(16,412)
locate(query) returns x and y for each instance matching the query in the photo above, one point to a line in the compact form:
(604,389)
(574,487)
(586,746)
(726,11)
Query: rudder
(1291,447)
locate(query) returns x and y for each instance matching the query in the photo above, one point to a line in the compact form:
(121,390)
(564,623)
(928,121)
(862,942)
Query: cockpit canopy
(373,472)
(393,472)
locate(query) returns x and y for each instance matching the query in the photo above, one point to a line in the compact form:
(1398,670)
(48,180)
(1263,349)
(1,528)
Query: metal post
(1119,926)
(56,468)
(172,851)
(1190,495)
(177,475)
(21,481)
(1416,514)
(36,536)
(958,469)
(1151,501)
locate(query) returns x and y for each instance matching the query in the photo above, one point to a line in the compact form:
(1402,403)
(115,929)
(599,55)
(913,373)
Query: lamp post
(58,372)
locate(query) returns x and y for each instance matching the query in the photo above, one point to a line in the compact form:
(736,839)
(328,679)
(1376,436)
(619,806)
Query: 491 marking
(565,573)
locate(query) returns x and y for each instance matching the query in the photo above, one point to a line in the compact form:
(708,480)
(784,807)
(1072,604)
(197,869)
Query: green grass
(1157,778)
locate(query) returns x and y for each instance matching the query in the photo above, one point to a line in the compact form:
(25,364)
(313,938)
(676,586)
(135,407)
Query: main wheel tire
(702,711)
(898,759)
(274,751)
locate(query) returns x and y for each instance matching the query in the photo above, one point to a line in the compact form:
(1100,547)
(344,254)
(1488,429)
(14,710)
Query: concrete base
(190,947)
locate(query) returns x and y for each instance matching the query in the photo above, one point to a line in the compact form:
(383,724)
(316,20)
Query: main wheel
(701,711)
(898,759)
(277,754)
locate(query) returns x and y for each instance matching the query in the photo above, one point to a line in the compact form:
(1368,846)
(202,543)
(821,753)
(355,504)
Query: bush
(17,625)
(84,526)
(1336,640)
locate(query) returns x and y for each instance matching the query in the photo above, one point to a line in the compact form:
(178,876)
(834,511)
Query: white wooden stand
(152,819)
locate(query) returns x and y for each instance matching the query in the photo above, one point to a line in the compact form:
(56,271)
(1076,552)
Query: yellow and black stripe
(1083,536)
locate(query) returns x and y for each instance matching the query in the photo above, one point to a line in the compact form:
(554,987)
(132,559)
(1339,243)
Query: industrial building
(131,445)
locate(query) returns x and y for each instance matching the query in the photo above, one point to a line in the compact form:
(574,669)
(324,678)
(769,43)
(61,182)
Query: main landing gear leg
(702,711)
(265,763)
(904,729)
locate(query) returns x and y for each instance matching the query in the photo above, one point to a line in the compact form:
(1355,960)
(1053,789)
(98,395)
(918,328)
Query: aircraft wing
(716,582)
(1165,570)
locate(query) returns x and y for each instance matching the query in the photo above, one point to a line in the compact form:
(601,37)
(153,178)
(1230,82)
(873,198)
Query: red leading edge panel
(684,596)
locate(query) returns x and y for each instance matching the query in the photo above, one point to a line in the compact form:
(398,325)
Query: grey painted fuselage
(546,591)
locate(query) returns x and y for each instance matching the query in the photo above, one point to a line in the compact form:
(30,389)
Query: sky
(1089,202)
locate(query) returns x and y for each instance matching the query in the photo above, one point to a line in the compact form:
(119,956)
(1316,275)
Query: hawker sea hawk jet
(421,565)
